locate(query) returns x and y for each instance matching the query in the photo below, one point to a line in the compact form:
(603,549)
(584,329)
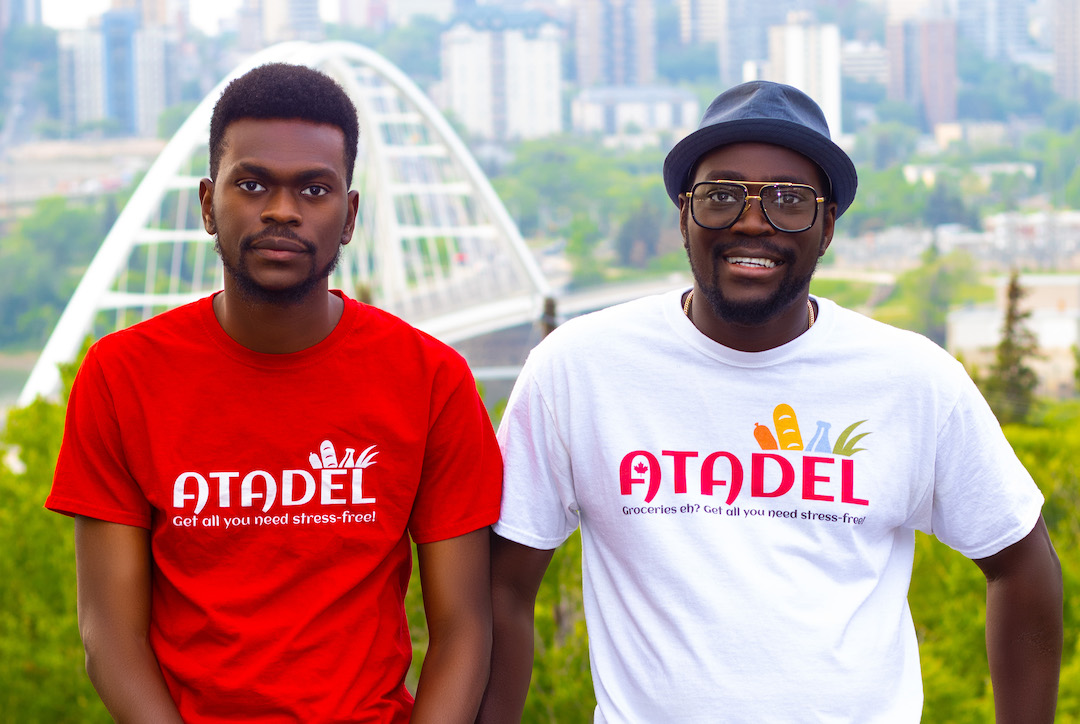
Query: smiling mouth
(752,261)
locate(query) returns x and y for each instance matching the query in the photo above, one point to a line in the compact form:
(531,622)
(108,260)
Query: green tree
(42,669)
(41,262)
(639,235)
(1076,368)
(1010,382)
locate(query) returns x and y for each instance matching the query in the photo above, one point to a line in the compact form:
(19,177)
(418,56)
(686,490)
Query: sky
(205,14)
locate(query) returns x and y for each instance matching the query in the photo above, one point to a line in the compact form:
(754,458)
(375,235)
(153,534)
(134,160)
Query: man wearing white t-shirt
(748,466)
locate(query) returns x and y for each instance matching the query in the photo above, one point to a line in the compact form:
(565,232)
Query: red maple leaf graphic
(640,468)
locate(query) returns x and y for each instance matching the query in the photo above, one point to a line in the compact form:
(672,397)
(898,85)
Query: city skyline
(206,15)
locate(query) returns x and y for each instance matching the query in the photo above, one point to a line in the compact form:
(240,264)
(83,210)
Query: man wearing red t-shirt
(246,471)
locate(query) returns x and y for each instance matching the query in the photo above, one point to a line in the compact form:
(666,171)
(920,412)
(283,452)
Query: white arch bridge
(433,243)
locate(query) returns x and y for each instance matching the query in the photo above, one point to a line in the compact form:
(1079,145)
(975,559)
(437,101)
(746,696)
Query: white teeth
(751,261)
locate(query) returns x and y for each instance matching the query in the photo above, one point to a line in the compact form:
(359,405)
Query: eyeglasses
(787,207)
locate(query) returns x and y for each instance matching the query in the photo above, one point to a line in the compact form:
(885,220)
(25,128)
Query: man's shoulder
(614,322)
(859,338)
(382,329)
(160,331)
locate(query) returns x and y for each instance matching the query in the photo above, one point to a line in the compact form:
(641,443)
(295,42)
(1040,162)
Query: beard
(253,291)
(757,312)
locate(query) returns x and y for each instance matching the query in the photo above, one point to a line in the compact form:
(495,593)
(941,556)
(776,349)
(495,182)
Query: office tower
(502,76)
(922,66)
(1067,49)
(291,20)
(699,21)
(120,71)
(613,110)
(807,55)
(19,13)
(364,13)
(864,62)
(82,77)
(401,12)
(615,42)
(743,34)
(996,28)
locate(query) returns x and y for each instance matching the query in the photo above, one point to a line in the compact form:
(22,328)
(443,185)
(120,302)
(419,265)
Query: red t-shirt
(280,492)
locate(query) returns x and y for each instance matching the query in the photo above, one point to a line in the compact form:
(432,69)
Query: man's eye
(721,197)
(251,186)
(315,191)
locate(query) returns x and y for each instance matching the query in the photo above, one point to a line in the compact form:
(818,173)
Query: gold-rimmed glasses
(787,207)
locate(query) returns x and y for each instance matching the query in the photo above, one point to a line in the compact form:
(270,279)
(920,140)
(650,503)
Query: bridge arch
(433,242)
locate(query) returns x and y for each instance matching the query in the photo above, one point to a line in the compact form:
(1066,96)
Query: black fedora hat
(764,112)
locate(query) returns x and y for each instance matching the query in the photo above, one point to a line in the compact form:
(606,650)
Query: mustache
(276,231)
(770,249)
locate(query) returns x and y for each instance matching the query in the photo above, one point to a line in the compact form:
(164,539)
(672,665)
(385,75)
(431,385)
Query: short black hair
(284,91)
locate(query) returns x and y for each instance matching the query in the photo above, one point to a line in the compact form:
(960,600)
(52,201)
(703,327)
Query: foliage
(42,674)
(561,689)
(414,48)
(923,296)
(948,592)
(1010,382)
(173,117)
(639,234)
(41,262)
(852,295)
(32,49)
(679,61)
(1076,368)
(996,91)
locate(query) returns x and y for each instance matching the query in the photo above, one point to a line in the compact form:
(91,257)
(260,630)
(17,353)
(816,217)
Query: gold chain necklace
(809,309)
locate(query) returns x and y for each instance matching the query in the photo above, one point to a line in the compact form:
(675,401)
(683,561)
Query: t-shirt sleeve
(539,509)
(984,498)
(461,481)
(92,476)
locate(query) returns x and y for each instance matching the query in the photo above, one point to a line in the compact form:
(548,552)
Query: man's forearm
(1023,644)
(511,662)
(127,677)
(1024,628)
(452,678)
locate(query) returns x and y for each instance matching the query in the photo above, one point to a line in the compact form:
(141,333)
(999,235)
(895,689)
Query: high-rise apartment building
(743,34)
(1067,49)
(18,13)
(119,71)
(82,77)
(156,13)
(502,76)
(996,28)
(922,66)
(291,20)
(615,42)
(401,12)
(373,14)
(807,55)
(699,21)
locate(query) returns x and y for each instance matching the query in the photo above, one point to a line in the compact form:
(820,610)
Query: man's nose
(752,221)
(282,207)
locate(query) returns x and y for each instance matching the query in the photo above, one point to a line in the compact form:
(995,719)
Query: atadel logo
(789,437)
(825,473)
(336,481)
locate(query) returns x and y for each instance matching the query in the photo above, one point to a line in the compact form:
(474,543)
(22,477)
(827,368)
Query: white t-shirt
(748,518)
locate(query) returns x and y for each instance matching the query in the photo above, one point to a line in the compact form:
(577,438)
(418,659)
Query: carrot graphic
(764,437)
(787,428)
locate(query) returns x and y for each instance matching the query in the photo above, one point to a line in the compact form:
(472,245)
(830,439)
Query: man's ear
(684,219)
(350,222)
(206,202)
(828,227)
